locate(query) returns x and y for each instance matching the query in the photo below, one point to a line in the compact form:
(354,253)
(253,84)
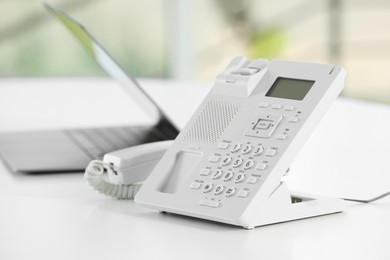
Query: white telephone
(227,163)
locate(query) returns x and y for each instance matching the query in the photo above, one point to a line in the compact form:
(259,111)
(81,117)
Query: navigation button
(263,125)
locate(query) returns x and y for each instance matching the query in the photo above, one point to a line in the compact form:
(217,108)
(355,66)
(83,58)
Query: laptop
(69,150)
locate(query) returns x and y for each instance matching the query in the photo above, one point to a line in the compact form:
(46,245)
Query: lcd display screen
(290,88)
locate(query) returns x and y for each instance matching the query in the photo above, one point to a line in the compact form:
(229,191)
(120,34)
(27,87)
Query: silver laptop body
(68,150)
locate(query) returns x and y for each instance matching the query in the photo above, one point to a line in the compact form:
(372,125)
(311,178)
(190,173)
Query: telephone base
(300,206)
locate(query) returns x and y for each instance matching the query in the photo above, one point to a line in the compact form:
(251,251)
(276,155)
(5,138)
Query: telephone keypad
(244,165)
(232,169)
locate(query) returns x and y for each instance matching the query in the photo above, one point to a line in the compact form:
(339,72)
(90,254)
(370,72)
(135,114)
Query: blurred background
(195,39)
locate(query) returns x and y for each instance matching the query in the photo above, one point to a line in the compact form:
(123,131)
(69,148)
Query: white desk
(59,217)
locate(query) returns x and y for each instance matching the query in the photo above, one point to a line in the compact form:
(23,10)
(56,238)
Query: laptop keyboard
(96,142)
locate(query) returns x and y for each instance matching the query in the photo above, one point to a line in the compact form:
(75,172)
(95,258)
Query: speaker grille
(212,121)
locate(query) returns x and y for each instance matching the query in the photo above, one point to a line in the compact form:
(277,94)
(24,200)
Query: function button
(195,185)
(289,108)
(205,172)
(214,158)
(226,161)
(251,180)
(230,191)
(239,178)
(207,187)
(217,174)
(276,106)
(270,152)
(263,105)
(237,162)
(249,164)
(219,189)
(242,193)
(223,146)
(209,203)
(228,176)
(261,166)
(247,149)
(293,119)
(281,137)
(236,148)
(257,151)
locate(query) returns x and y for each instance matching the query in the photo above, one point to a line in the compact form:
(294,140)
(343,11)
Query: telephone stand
(284,205)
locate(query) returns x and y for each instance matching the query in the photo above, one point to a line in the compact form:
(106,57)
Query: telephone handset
(227,163)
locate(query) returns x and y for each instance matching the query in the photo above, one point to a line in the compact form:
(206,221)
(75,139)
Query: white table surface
(57,216)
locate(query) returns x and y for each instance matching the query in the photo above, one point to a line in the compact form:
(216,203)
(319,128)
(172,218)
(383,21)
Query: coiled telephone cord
(94,176)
